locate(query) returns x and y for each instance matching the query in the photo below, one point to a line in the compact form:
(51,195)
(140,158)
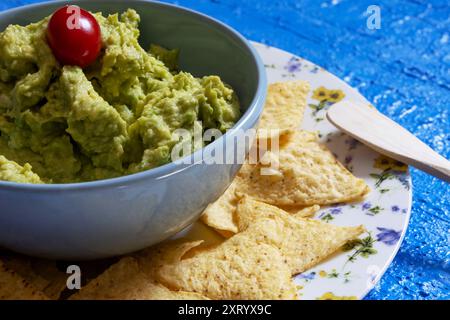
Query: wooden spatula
(372,128)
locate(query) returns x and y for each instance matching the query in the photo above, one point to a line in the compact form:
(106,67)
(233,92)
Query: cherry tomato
(74,36)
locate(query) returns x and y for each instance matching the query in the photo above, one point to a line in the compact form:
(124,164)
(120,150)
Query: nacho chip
(14,287)
(153,258)
(284,108)
(40,273)
(125,280)
(238,268)
(301,212)
(303,242)
(219,214)
(308,174)
(200,231)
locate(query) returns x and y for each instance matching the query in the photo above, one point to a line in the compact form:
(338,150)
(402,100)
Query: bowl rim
(251,114)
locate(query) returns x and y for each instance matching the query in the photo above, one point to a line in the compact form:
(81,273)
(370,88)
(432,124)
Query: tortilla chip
(301,212)
(153,258)
(40,273)
(307,174)
(219,214)
(303,242)
(238,268)
(200,231)
(284,108)
(126,281)
(14,287)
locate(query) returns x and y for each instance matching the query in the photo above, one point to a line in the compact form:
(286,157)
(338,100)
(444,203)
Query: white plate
(384,212)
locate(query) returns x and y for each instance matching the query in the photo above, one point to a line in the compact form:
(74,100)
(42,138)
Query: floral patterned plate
(384,212)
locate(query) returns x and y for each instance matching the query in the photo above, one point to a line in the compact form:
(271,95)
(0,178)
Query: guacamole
(62,124)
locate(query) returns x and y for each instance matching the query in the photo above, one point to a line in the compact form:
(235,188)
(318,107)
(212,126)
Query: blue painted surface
(403,68)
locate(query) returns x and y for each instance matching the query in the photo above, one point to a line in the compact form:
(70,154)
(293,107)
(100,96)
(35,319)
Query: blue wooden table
(403,68)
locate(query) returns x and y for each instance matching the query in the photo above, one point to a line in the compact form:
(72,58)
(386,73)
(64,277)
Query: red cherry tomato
(74,36)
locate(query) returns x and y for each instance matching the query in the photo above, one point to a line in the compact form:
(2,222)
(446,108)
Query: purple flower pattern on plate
(371,210)
(294,64)
(388,236)
(307,276)
(328,215)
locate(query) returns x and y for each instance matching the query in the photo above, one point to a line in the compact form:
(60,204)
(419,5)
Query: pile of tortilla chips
(264,219)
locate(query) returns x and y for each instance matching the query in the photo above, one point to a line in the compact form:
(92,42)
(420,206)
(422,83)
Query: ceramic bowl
(112,217)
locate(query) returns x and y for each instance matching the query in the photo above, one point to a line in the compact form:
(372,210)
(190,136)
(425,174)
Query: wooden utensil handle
(382,134)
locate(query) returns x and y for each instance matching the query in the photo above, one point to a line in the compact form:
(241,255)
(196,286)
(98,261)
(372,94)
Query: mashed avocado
(61,124)
(11,171)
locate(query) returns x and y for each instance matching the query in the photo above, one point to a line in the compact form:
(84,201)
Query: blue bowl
(116,216)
